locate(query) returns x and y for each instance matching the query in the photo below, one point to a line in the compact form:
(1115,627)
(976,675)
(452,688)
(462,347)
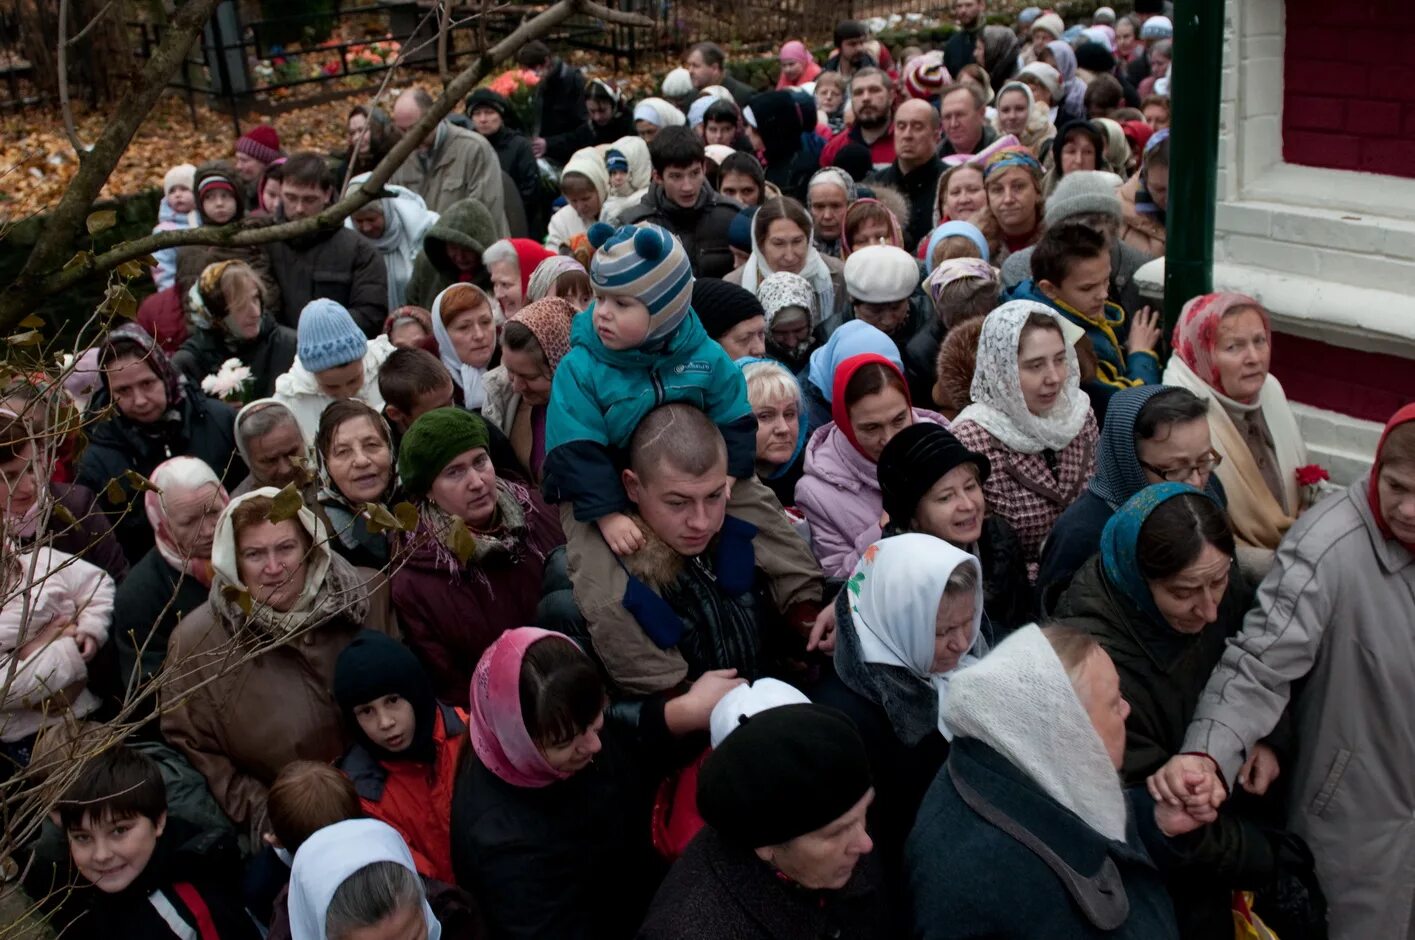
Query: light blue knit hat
(327,336)
(648,263)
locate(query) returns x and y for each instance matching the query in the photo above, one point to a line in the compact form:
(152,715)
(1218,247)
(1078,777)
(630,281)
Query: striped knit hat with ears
(647,263)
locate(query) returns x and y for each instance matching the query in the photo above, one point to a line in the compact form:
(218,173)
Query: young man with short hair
(684,202)
(337,264)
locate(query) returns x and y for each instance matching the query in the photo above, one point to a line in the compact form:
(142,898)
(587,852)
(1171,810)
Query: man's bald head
(916,126)
(915,109)
(679,436)
(408,109)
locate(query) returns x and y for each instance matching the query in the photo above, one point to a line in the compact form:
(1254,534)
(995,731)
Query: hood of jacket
(832,457)
(301,381)
(466,223)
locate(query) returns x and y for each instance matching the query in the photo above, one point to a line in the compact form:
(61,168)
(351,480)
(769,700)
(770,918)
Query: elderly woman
(781,241)
(1013,180)
(518,391)
(798,66)
(1031,420)
(789,305)
(828,195)
(910,619)
(355,450)
(252,670)
(174,577)
(473,567)
(1222,352)
(839,492)
(396,226)
(1034,791)
(781,425)
(654,114)
(932,484)
(511,262)
(1163,598)
(269,440)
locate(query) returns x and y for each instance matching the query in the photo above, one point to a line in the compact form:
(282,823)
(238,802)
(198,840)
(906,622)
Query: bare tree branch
(78,37)
(40,279)
(70,131)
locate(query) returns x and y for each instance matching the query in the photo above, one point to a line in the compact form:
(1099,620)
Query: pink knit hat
(261,143)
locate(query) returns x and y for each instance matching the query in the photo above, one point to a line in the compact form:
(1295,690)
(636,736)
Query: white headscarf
(784,289)
(406,219)
(1020,702)
(640,164)
(658,113)
(329,857)
(894,598)
(469,378)
(998,405)
(814,270)
(228,569)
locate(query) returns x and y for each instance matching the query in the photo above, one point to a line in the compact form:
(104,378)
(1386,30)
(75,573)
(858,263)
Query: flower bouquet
(518,86)
(1314,481)
(230,383)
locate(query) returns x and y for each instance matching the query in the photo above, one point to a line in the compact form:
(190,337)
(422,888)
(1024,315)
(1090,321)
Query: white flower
(229,380)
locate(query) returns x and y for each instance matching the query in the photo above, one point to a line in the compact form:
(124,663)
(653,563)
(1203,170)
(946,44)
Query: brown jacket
(1137,230)
(255,716)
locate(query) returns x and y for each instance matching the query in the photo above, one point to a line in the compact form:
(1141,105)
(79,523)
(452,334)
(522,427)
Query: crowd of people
(799,528)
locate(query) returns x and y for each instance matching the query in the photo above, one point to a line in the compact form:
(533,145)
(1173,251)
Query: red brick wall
(1349,99)
(1360,384)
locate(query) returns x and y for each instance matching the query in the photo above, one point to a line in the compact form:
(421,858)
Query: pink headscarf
(796,51)
(497,728)
(1196,333)
(185,474)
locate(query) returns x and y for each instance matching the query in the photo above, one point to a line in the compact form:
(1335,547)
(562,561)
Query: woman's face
(953,508)
(529,378)
(1159,64)
(575,754)
(785,246)
(370,222)
(506,285)
(792,69)
(648,131)
(778,430)
(191,518)
(1157,183)
(747,338)
(19,482)
(964,197)
(1012,196)
(466,488)
(1395,487)
(1124,37)
(270,557)
(1078,153)
(463,258)
(1189,600)
(828,98)
(953,630)
(473,335)
(877,418)
(270,195)
(791,330)
(359,461)
(827,204)
(355,130)
(1242,354)
(1012,113)
(243,312)
(1041,366)
(741,187)
(872,231)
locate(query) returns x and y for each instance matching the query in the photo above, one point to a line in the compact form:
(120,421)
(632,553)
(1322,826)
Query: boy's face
(682,183)
(618,181)
(111,853)
(719,132)
(218,206)
(388,722)
(620,322)
(181,199)
(1085,287)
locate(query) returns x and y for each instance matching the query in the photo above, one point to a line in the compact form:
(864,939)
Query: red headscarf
(528,255)
(1373,494)
(843,373)
(1196,333)
(497,728)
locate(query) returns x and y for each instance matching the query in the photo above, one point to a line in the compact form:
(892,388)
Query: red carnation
(1312,474)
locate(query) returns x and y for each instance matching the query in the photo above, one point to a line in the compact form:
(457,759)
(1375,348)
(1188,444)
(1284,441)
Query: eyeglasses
(1206,464)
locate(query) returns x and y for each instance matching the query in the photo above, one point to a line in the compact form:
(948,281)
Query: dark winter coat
(513,151)
(150,603)
(339,265)
(467,224)
(920,187)
(971,879)
(959,50)
(451,612)
(1162,674)
(91,535)
(717,891)
(571,860)
(199,426)
(268,356)
(921,361)
(193,259)
(560,147)
(702,229)
(188,863)
(561,96)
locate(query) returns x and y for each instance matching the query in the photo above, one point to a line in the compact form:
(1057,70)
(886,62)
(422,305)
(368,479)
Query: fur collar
(656,564)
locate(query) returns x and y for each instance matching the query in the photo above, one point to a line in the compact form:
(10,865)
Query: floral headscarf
(998,404)
(1196,334)
(549,319)
(155,358)
(545,275)
(958,269)
(180,475)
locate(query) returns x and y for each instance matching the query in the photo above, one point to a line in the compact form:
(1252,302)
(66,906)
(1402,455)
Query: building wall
(1330,252)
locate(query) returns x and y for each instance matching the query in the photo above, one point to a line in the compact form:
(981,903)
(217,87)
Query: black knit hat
(1093,57)
(783,773)
(374,665)
(486,98)
(850,29)
(854,159)
(914,460)
(721,305)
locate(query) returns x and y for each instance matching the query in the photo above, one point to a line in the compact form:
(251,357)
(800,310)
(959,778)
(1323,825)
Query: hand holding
(538,146)
(1172,786)
(1178,820)
(621,534)
(88,646)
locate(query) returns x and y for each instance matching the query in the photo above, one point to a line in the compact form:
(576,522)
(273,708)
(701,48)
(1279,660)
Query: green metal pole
(1195,79)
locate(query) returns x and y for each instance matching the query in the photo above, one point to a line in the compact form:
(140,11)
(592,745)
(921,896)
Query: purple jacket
(839,495)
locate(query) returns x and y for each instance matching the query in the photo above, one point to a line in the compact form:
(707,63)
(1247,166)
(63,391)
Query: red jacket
(881,151)
(162,316)
(415,798)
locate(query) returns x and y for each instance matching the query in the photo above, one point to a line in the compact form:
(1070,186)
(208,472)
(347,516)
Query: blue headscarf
(851,339)
(949,229)
(1121,538)
(1119,475)
(803,432)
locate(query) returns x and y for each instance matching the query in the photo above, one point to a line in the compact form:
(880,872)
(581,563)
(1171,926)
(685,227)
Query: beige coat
(463,166)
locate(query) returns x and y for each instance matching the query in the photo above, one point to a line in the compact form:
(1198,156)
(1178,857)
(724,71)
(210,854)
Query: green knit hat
(435,440)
